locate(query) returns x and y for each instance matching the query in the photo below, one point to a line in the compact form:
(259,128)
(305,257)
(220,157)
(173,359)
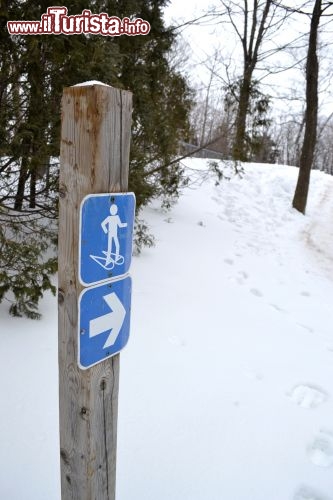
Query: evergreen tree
(256,136)
(34,71)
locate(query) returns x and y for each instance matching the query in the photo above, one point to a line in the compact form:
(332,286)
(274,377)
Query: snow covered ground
(226,383)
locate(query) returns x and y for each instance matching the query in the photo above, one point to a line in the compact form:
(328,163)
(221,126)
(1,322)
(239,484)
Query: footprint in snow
(174,340)
(242,276)
(306,493)
(320,452)
(307,328)
(307,396)
(253,375)
(279,309)
(256,292)
(229,261)
(217,200)
(305,294)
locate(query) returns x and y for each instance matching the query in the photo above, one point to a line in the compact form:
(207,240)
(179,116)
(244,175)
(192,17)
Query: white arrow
(110,321)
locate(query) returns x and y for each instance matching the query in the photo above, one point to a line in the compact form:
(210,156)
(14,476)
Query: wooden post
(95,141)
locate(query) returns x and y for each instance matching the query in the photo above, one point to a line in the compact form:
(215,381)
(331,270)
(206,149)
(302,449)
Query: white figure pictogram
(110,227)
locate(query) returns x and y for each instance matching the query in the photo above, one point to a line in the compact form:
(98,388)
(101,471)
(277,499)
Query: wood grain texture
(95,142)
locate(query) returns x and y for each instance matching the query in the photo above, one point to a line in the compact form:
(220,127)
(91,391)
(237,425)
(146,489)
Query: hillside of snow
(226,382)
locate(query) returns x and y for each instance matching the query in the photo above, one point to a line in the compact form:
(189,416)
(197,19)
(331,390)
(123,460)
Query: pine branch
(188,155)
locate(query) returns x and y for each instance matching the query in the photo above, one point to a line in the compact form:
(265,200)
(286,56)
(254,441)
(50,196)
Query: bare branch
(180,158)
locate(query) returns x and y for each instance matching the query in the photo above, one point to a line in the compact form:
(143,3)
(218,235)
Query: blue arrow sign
(106,235)
(104,321)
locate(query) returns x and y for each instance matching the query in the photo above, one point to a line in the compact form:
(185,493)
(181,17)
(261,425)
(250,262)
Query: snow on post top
(91,82)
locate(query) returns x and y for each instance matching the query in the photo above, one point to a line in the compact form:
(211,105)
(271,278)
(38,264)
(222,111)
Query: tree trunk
(239,146)
(33,179)
(311,114)
(23,177)
(254,31)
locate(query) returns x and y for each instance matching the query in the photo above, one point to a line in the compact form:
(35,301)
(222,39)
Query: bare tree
(311,112)
(252,20)
(206,104)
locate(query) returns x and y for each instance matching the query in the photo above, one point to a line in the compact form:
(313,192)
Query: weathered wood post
(95,142)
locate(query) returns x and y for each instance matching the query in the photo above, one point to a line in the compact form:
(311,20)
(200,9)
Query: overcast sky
(208,37)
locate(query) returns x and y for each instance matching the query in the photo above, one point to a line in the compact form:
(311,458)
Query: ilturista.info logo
(56,22)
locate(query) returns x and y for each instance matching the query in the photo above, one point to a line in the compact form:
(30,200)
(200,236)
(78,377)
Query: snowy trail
(225,385)
(319,235)
(266,368)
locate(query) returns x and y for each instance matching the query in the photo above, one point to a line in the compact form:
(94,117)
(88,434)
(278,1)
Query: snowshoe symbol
(110,227)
